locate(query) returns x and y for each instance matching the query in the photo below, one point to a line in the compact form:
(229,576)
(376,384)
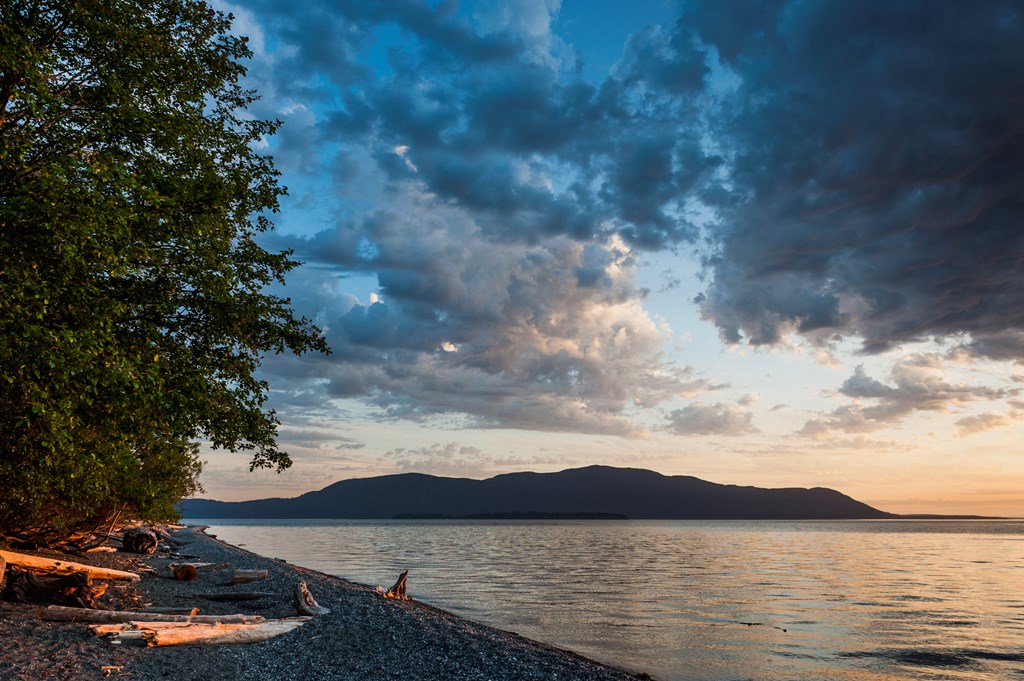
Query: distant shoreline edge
(514,515)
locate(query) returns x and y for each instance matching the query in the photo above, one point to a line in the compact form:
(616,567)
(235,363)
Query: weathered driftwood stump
(139,540)
(75,590)
(398,590)
(305,604)
(185,573)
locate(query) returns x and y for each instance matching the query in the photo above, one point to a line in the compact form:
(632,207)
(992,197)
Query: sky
(761,243)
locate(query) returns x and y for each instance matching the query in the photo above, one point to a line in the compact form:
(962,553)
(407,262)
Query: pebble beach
(364,636)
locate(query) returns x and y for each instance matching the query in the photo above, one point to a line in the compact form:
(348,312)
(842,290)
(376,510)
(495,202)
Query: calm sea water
(704,600)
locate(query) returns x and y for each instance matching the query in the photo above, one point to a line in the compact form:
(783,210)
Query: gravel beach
(363,637)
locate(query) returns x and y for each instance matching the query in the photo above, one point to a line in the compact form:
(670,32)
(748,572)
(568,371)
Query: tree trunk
(63,567)
(56,613)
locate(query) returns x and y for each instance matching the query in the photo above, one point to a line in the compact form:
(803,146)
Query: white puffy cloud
(713,419)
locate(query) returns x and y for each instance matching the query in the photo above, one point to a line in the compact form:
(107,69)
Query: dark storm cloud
(515,193)
(860,161)
(488,125)
(876,171)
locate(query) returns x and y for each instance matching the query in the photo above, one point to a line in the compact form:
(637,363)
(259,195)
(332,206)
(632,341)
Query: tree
(134,303)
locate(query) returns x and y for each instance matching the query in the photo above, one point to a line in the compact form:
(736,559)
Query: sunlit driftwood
(56,613)
(398,590)
(63,567)
(101,549)
(156,635)
(191,612)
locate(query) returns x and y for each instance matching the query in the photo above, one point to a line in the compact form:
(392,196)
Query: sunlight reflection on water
(695,600)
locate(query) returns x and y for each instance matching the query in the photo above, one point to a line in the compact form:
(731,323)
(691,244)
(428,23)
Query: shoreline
(363,636)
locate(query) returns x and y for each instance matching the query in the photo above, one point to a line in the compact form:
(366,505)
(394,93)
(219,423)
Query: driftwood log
(191,612)
(76,590)
(63,567)
(167,538)
(235,595)
(56,613)
(175,633)
(139,540)
(3,569)
(133,630)
(246,576)
(398,590)
(305,604)
(185,573)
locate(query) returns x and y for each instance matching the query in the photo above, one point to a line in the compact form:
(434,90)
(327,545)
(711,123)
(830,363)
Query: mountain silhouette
(579,492)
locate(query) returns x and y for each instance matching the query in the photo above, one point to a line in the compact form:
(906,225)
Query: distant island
(591,492)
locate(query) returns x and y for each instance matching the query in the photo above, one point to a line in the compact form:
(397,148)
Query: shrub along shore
(363,636)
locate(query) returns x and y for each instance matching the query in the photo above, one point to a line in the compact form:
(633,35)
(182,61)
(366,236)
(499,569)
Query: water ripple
(704,600)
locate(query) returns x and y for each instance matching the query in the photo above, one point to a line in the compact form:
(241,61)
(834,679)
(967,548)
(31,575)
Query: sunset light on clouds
(765,243)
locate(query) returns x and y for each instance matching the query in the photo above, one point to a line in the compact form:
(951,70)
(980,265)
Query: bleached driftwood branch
(246,576)
(57,613)
(235,596)
(177,633)
(63,567)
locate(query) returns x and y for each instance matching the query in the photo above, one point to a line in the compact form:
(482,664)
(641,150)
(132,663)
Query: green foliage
(133,299)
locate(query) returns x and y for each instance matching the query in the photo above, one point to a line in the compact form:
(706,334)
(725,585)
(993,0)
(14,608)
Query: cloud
(551,336)
(455,460)
(713,419)
(874,175)
(844,170)
(492,113)
(518,196)
(979,423)
(919,385)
